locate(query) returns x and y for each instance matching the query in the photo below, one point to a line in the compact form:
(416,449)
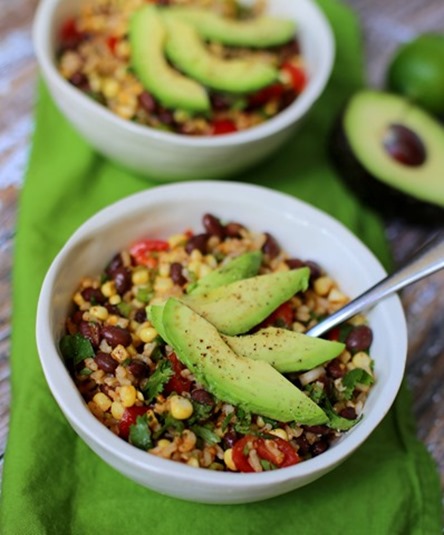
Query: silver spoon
(426,261)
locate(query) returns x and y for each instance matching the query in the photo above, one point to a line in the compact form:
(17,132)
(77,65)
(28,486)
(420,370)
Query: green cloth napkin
(53,483)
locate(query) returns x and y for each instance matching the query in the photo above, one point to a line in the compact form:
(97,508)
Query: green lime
(417,72)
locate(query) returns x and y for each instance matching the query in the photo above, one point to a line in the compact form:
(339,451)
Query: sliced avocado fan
(188,52)
(251,384)
(258,32)
(174,90)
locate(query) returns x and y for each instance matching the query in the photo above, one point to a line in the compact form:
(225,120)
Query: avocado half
(391,153)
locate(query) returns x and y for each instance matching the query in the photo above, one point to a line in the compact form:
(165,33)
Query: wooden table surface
(385,25)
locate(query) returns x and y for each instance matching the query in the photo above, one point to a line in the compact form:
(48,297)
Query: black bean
(199,242)
(271,247)
(234,230)
(176,274)
(336,369)
(147,102)
(315,269)
(122,280)
(79,80)
(348,412)
(202,396)
(294,263)
(93,295)
(319,447)
(213,226)
(165,117)
(303,445)
(115,263)
(230,438)
(140,315)
(318,429)
(105,362)
(359,338)
(91,331)
(139,369)
(115,335)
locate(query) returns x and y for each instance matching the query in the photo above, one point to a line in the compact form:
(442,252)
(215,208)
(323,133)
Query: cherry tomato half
(283,316)
(261,97)
(284,456)
(129,418)
(142,250)
(177,383)
(297,76)
(223,126)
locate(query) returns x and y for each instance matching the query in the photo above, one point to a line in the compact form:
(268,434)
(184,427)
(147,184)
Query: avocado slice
(147,35)
(253,385)
(287,351)
(241,267)
(259,32)
(237,307)
(188,53)
(390,153)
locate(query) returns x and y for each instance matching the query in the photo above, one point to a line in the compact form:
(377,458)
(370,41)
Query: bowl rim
(41,37)
(71,404)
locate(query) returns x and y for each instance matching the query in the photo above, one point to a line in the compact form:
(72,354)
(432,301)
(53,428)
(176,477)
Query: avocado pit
(404,145)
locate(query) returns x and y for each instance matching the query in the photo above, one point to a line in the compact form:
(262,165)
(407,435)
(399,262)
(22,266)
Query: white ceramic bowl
(162,155)
(301,229)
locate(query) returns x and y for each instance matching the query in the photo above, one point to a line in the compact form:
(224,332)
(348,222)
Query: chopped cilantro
(144,295)
(354,377)
(85,371)
(140,434)
(157,380)
(227,421)
(170,423)
(338,422)
(76,348)
(201,412)
(243,421)
(124,309)
(266,465)
(206,433)
(316,392)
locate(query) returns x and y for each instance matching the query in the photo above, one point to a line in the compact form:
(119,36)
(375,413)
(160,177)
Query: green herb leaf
(124,309)
(354,377)
(157,380)
(266,465)
(171,424)
(201,412)
(144,295)
(316,392)
(85,371)
(76,347)
(338,422)
(243,421)
(206,433)
(140,434)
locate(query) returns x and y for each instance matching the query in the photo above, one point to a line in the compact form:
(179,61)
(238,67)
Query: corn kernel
(147,334)
(108,288)
(98,312)
(177,239)
(193,462)
(228,459)
(279,432)
(204,270)
(128,395)
(78,299)
(181,408)
(115,299)
(110,87)
(164,269)
(120,353)
(335,296)
(196,255)
(140,277)
(102,401)
(322,285)
(117,410)
(163,443)
(163,284)
(362,360)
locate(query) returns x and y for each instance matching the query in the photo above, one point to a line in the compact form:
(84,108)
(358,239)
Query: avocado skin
(390,202)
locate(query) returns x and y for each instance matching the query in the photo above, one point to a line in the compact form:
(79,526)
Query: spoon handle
(429,259)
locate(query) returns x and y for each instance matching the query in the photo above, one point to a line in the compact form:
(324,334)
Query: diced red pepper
(297,75)
(283,316)
(177,382)
(223,126)
(70,36)
(287,455)
(142,250)
(271,92)
(129,418)
(112,43)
